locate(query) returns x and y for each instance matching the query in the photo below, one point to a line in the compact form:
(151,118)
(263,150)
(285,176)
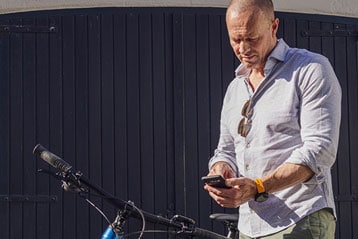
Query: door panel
(132,98)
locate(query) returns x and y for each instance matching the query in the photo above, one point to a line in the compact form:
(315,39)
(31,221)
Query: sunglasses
(245,123)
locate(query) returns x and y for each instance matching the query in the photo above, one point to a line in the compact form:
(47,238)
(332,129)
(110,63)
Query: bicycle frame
(183,226)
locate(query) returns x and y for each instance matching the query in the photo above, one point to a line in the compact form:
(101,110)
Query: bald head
(264,6)
(252,29)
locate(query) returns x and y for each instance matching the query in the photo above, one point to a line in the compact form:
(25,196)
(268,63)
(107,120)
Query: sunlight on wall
(347,8)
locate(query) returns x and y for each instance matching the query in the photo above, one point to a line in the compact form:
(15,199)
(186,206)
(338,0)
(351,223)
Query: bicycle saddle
(224,217)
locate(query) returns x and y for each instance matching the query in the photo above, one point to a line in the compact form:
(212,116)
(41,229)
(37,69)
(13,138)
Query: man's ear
(275,24)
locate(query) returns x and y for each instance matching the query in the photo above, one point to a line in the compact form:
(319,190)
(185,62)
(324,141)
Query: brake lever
(48,172)
(70,182)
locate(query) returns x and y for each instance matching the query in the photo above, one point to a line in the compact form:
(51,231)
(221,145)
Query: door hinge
(29,198)
(27,29)
(329,33)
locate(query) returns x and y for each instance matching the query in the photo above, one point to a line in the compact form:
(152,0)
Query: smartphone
(215,181)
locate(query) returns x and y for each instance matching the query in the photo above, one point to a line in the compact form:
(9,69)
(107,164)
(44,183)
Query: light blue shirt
(296,112)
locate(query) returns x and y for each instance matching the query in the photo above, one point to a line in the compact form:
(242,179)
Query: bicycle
(181,226)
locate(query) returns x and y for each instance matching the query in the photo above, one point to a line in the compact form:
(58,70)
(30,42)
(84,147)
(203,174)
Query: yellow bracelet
(259,185)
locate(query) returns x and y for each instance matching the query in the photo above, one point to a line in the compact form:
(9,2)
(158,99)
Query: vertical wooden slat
(81,119)
(203,112)
(169,108)
(217,31)
(327,43)
(190,114)
(29,93)
(107,108)
(353,42)
(178,104)
(133,112)
(121,111)
(289,29)
(352,73)
(146,111)
(315,44)
(160,140)
(42,126)
(16,130)
(340,66)
(69,119)
(5,129)
(229,60)
(162,186)
(94,118)
(328,51)
(302,42)
(56,119)
(147,169)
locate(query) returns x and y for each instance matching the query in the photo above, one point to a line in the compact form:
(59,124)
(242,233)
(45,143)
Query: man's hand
(241,191)
(223,169)
(244,189)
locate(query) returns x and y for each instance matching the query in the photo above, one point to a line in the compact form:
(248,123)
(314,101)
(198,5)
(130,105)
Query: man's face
(252,36)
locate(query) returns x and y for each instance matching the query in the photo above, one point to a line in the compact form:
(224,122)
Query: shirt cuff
(220,158)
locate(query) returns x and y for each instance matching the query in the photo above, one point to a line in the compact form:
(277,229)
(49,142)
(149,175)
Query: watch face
(261,197)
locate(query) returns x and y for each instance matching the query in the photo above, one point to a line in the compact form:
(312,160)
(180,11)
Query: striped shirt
(295,114)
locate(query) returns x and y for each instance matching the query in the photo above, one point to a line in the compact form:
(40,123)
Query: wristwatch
(261,194)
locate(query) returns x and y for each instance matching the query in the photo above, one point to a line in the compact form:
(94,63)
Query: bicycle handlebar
(65,169)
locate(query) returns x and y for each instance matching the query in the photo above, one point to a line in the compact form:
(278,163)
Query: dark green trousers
(318,225)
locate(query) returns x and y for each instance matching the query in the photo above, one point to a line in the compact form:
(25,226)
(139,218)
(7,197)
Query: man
(278,133)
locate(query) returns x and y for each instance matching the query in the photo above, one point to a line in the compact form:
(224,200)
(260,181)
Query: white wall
(347,8)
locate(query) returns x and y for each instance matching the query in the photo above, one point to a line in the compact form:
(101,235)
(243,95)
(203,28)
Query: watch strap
(259,185)
(261,194)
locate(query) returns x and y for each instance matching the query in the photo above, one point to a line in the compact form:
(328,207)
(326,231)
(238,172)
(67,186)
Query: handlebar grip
(205,234)
(51,158)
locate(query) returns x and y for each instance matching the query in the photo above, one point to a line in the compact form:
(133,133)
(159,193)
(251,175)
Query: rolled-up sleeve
(320,116)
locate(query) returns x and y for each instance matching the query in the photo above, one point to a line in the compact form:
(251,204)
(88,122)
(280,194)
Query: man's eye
(252,39)
(236,41)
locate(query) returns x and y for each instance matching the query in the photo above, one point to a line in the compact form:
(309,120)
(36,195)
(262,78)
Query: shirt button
(248,145)
(247,167)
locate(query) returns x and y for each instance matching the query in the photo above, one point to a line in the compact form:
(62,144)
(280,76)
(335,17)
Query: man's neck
(255,77)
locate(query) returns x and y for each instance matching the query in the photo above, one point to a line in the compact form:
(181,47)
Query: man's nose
(243,47)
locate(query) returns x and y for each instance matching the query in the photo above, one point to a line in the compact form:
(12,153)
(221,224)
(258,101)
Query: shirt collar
(278,54)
